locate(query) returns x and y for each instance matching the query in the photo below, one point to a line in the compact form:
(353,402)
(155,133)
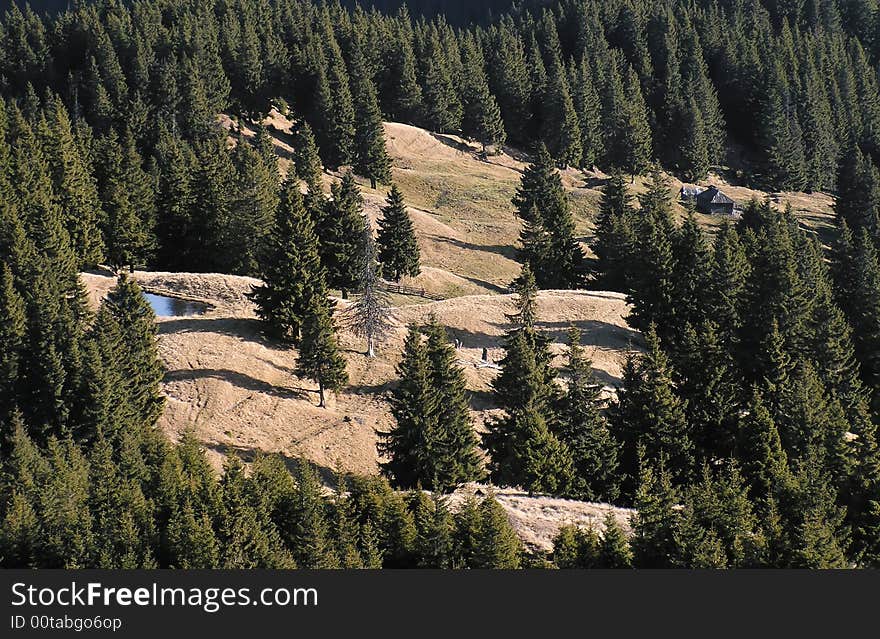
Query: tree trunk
(370,350)
(321,393)
(372,183)
(344,294)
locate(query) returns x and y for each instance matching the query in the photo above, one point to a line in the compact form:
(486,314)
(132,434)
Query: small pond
(165,306)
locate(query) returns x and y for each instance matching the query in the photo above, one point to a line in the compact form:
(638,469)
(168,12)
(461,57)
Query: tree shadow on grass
(238,379)
(244,328)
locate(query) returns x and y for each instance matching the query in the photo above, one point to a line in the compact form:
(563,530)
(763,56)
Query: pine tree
(498,546)
(398,249)
(653,288)
(306,158)
(456,456)
(124,229)
(695,153)
(650,414)
(13,333)
(865,308)
(657,521)
(561,263)
(402,95)
(858,193)
(309,531)
(726,282)
(522,449)
(291,270)
(410,445)
(175,204)
(614,547)
(137,357)
(192,542)
(319,357)
(782,136)
(442,109)
(75,188)
(561,131)
(584,430)
(588,107)
(253,207)
(615,238)
(341,244)
(370,156)
(481,120)
(625,124)
(435,525)
(691,271)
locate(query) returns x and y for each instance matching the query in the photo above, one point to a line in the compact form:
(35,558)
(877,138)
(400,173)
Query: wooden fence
(392,287)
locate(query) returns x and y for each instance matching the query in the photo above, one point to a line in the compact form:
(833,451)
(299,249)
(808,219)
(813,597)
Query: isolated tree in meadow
(319,357)
(369,315)
(398,248)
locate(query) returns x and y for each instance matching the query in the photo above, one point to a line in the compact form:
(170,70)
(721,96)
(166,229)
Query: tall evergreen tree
(341,237)
(583,428)
(398,249)
(291,270)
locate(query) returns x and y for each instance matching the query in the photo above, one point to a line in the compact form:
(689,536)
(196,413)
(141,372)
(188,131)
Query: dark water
(165,306)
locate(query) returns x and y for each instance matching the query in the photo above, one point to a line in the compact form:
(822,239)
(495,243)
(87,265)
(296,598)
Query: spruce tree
(291,270)
(75,188)
(653,287)
(307,160)
(138,356)
(370,156)
(561,263)
(657,521)
(614,547)
(319,358)
(561,131)
(341,237)
(410,445)
(458,459)
(13,333)
(650,414)
(398,249)
(498,546)
(615,238)
(583,428)
(759,448)
(481,120)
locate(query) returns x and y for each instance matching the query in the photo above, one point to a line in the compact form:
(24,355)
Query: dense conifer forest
(743,435)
